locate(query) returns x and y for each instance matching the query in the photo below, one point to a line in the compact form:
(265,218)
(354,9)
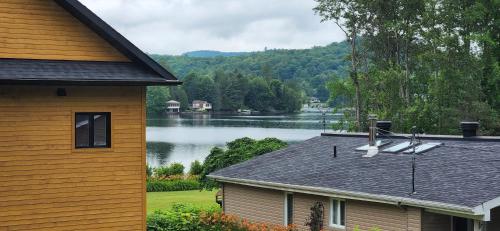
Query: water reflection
(188,137)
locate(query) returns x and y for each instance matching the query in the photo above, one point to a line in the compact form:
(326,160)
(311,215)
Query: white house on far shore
(200,105)
(173,106)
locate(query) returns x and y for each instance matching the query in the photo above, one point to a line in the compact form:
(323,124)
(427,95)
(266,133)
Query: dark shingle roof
(67,72)
(463,173)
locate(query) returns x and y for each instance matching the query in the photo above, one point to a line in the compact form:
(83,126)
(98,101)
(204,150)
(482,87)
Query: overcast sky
(178,26)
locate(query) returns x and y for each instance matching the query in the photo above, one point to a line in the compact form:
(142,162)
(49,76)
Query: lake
(188,137)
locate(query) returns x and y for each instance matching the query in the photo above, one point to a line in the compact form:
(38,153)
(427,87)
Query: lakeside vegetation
(173,178)
(429,64)
(276,80)
(230,92)
(169,209)
(309,68)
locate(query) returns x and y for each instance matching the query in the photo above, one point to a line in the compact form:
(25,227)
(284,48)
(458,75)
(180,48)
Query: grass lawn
(165,200)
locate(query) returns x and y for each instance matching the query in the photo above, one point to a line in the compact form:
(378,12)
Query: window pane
(82,130)
(334,212)
(289,203)
(100,130)
(342,213)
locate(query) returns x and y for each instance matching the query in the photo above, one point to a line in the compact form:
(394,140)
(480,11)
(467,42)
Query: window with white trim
(337,213)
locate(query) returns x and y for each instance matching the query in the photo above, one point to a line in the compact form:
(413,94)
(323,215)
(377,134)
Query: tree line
(424,63)
(229,92)
(310,69)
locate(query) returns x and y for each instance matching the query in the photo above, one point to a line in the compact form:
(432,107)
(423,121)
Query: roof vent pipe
(372,136)
(384,127)
(469,129)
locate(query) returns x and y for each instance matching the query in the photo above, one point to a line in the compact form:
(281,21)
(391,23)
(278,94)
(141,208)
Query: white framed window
(337,213)
(288,209)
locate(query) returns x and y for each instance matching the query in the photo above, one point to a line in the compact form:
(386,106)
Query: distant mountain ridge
(211,54)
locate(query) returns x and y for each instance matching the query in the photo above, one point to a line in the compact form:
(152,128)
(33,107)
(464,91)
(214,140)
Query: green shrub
(237,151)
(176,169)
(196,168)
(167,171)
(157,185)
(189,218)
(149,171)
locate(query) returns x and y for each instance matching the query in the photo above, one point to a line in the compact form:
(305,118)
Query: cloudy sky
(178,26)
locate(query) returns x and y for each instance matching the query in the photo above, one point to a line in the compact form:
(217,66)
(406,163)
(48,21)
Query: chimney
(469,129)
(384,127)
(372,136)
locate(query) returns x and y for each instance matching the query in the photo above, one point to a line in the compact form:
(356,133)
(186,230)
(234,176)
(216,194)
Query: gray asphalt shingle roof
(465,173)
(76,71)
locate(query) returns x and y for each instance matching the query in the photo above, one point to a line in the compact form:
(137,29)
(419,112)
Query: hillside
(310,68)
(211,54)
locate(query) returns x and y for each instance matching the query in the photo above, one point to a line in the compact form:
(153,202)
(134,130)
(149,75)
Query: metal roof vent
(384,127)
(469,129)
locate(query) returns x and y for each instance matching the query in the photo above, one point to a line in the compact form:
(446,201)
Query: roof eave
(385,199)
(90,82)
(112,36)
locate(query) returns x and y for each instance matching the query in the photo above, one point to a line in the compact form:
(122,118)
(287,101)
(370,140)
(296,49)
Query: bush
(167,171)
(237,151)
(149,171)
(196,168)
(183,217)
(156,185)
(315,220)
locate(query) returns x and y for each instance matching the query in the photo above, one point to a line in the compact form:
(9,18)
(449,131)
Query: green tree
(178,94)
(351,17)
(196,168)
(199,87)
(426,63)
(259,96)
(233,87)
(237,151)
(156,99)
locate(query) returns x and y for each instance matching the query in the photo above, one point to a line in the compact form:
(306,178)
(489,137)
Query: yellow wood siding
(41,29)
(47,184)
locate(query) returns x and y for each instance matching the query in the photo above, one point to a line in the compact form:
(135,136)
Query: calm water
(188,137)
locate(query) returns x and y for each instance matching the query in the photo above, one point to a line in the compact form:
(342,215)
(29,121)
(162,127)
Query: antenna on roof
(323,119)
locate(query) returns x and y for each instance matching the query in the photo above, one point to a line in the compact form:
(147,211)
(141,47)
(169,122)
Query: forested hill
(310,68)
(211,54)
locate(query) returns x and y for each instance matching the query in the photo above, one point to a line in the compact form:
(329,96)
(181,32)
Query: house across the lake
(72,120)
(393,182)
(200,105)
(173,106)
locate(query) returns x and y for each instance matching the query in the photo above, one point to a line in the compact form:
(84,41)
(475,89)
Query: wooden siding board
(43,30)
(48,182)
